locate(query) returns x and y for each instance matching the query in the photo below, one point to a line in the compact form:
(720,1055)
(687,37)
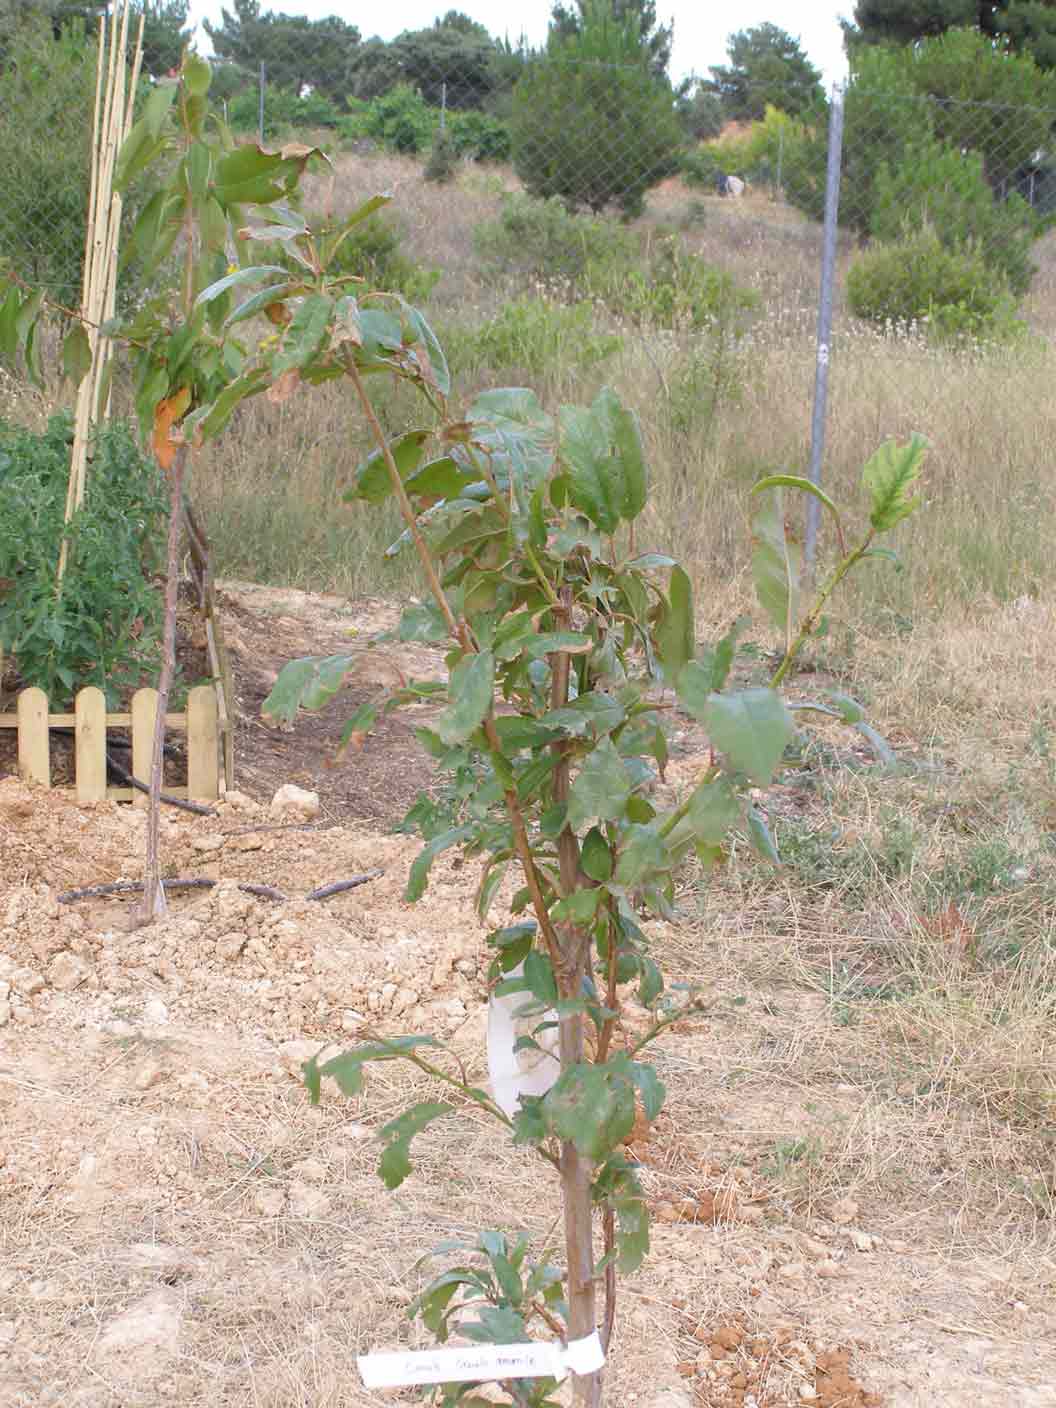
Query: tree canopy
(1021,26)
(566,21)
(294,49)
(455,58)
(767,67)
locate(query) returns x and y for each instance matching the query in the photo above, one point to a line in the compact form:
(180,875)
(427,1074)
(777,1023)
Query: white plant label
(476,1362)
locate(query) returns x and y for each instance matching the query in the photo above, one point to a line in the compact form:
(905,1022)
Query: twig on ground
(198,808)
(265,892)
(340,886)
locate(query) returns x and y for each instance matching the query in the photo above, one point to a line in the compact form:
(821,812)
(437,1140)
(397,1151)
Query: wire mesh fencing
(920,216)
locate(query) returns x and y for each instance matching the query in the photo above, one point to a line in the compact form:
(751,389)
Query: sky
(700,28)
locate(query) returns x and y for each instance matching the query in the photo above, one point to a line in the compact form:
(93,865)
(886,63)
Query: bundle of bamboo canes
(114,100)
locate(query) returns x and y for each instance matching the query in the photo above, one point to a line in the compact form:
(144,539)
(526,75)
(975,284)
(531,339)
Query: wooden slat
(203,758)
(90,744)
(144,712)
(34,750)
(177,721)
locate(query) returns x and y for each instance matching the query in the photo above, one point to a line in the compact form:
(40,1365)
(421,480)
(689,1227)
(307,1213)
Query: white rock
(306,1201)
(296,802)
(27,982)
(67,971)
(152,1323)
(208,843)
(269,1202)
(156,1012)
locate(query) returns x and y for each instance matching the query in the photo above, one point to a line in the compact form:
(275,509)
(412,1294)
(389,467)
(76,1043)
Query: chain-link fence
(926,211)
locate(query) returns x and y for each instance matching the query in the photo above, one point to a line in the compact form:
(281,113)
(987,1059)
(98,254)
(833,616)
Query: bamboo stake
(111,119)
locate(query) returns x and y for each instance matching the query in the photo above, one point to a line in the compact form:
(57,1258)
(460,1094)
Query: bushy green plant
(673,289)
(591,120)
(480,136)
(918,280)
(545,238)
(282,108)
(401,120)
(102,626)
(938,185)
(443,159)
(538,336)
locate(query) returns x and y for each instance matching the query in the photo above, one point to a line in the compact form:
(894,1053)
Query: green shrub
(401,120)
(673,289)
(540,336)
(443,158)
(282,109)
(937,185)
(543,237)
(479,136)
(918,280)
(591,121)
(103,627)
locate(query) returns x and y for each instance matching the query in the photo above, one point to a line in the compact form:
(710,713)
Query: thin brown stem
(410,518)
(153,906)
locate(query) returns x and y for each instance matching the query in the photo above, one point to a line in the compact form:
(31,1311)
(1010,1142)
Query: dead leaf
(282,389)
(166,414)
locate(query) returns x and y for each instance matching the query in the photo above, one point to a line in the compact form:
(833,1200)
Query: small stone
(67,971)
(269,1202)
(27,982)
(119,1027)
(862,1240)
(207,843)
(843,1210)
(152,1323)
(148,1074)
(245,843)
(156,1012)
(311,1170)
(295,802)
(829,1269)
(230,946)
(5,1013)
(5,990)
(308,1202)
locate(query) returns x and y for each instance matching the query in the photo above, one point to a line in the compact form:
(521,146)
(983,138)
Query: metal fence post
(260,119)
(828,278)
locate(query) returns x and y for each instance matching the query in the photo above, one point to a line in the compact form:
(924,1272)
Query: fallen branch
(198,808)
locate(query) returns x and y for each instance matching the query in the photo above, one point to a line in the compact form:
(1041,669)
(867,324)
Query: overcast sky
(700,28)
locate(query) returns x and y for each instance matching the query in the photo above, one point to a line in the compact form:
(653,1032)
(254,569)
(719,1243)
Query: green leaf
(807,486)
(308,683)
(591,715)
(625,438)
(359,725)
(381,333)
(879,744)
(198,165)
(890,475)
(539,978)
(642,854)
(751,728)
(423,623)
(650,1087)
(713,809)
(617,1186)
(849,710)
(209,420)
(8,318)
(674,635)
(471,691)
(157,106)
(498,1324)
(601,788)
(776,563)
(650,981)
(418,876)
(648,560)
(305,334)
(428,351)
(373,480)
(76,355)
(439,479)
(240,276)
(138,150)
(257,302)
(595,856)
(760,836)
(250,174)
(591,1106)
(395,1162)
(602,454)
(578,908)
(196,75)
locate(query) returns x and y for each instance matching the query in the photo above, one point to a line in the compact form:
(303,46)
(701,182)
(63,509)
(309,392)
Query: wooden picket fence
(90,722)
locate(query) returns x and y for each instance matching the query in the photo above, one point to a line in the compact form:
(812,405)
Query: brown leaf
(166,414)
(284,388)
